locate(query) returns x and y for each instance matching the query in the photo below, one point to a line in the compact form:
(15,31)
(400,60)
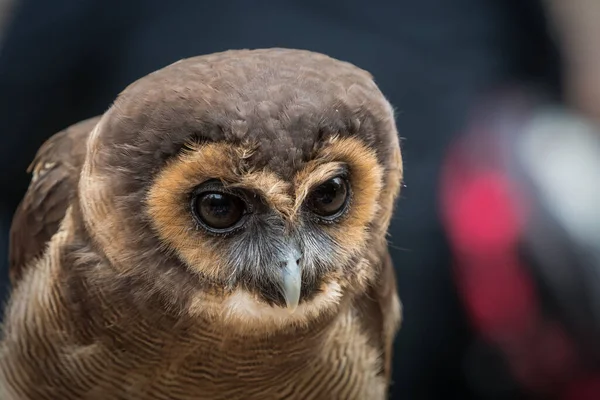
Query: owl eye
(219,212)
(330,199)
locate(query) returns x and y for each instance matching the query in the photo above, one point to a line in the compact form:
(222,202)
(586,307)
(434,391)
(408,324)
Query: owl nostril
(284,263)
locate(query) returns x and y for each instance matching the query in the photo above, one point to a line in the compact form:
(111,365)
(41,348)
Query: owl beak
(291,279)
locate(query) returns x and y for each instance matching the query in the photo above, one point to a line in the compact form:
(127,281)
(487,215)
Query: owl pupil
(220,210)
(330,198)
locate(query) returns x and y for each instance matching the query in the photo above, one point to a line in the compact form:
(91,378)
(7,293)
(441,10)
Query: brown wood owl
(218,233)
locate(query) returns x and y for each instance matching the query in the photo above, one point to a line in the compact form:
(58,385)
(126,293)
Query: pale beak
(291,278)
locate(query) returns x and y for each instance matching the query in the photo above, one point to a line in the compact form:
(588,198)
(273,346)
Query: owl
(220,232)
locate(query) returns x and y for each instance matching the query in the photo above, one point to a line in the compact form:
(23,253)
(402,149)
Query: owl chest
(337,367)
(339,372)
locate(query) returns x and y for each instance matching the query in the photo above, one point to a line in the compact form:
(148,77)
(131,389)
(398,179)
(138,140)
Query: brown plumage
(55,173)
(222,236)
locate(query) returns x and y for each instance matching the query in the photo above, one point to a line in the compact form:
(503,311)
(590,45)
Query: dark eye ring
(217,210)
(330,200)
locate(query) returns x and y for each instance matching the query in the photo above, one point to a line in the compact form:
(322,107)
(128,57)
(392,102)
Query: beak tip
(291,304)
(291,295)
(291,309)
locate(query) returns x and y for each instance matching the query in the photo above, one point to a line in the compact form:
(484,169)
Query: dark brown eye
(219,212)
(329,200)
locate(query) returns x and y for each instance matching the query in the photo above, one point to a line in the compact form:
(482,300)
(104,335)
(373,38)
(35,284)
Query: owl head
(252,188)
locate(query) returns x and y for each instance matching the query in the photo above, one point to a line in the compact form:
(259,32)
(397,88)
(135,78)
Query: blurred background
(496,239)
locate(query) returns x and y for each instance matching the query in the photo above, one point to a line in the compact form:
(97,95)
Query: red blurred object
(488,206)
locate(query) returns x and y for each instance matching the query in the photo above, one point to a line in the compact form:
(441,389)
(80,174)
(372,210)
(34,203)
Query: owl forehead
(283,104)
(280,133)
(283,139)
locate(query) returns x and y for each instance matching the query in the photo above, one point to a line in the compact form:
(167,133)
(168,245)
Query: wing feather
(55,174)
(381,312)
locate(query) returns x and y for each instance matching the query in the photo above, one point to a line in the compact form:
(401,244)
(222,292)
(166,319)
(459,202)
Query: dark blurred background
(437,61)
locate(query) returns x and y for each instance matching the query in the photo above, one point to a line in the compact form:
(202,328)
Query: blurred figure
(519,197)
(66,60)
